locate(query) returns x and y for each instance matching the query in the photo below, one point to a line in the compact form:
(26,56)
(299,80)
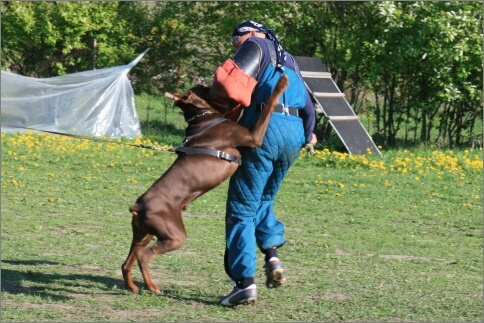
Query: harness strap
(279,108)
(209,125)
(217,153)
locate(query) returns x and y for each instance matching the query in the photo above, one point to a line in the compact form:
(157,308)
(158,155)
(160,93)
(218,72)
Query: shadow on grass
(54,286)
(196,298)
(57,287)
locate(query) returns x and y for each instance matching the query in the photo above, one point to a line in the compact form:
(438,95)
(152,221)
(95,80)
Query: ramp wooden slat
(328,95)
(342,118)
(316,74)
(330,101)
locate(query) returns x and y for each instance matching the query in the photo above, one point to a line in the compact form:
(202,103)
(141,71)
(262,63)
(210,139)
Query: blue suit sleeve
(308,116)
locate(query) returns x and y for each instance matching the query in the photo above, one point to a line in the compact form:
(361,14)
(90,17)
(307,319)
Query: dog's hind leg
(140,241)
(164,244)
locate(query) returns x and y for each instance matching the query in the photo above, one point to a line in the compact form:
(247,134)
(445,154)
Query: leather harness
(204,151)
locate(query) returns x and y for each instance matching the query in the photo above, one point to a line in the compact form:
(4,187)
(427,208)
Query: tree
(53,38)
(421,60)
(416,67)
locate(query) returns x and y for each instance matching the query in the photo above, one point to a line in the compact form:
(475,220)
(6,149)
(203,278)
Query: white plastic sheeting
(95,103)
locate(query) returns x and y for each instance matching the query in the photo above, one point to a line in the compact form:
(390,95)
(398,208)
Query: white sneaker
(240,296)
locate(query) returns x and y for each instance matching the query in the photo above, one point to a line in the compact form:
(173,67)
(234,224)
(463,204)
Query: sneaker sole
(247,301)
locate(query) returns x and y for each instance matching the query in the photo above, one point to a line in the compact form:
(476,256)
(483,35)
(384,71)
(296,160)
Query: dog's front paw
(283,83)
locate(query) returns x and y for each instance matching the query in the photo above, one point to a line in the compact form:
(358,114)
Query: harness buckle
(285,109)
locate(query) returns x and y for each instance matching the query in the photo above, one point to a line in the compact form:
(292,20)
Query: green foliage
(54,38)
(414,67)
(416,64)
(431,67)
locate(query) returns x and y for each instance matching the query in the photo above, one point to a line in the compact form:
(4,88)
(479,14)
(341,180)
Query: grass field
(397,238)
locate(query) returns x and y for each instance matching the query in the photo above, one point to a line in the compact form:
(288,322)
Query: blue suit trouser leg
(250,219)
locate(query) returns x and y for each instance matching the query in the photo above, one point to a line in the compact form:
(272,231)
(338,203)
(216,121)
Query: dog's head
(193,102)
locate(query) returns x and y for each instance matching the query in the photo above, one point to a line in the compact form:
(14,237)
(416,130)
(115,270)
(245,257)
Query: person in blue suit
(241,86)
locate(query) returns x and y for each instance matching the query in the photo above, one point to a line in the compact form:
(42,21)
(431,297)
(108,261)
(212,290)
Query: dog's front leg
(260,127)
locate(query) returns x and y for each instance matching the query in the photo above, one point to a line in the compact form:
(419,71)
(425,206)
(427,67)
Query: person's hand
(314,140)
(310,145)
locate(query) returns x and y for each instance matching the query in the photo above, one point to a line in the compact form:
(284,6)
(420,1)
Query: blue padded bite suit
(250,219)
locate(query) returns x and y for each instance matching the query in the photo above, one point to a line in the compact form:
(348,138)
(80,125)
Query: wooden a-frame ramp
(336,109)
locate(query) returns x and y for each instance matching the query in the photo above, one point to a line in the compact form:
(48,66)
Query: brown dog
(158,212)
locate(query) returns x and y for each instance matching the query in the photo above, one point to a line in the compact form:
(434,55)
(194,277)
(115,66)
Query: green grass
(397,238)
(363,244)
(160,120)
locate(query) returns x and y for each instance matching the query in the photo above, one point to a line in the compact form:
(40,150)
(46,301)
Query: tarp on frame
(94,103)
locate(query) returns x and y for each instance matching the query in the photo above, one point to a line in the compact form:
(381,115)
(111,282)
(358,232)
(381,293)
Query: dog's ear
(173,96)
(194,99)
(201,91)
